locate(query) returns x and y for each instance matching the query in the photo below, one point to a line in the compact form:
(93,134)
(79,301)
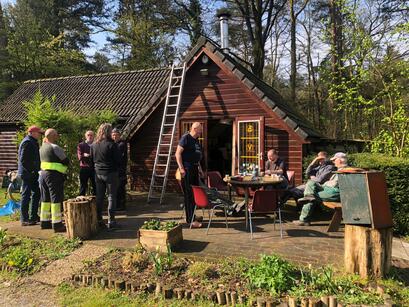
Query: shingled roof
(134,95)
(125,93)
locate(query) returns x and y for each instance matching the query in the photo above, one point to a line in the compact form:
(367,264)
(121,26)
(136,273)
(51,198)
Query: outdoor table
(253,183)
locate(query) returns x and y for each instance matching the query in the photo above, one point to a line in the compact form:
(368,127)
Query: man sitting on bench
(315,193)
(319,170)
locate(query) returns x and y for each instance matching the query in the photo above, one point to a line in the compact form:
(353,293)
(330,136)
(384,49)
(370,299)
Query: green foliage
(272,273)
(396,171)
(161,261)
(349,289)
(3,236)
(71,127)
(154,224)
(26,255)
(202,270)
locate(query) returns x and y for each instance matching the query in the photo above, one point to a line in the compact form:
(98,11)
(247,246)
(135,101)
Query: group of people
(103,162)
(322,183)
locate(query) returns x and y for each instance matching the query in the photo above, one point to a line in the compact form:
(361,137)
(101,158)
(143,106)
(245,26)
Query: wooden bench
(336,218)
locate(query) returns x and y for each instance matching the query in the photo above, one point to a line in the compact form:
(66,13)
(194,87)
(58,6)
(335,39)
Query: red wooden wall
(216,96)
(8,151)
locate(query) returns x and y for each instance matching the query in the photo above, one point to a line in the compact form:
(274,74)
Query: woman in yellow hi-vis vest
(54,165)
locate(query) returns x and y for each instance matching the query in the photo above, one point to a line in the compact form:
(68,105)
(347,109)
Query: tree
(294,13)
(5,77)
(41,111)
(189,16)
(259,18)
(143,33)
(33,51)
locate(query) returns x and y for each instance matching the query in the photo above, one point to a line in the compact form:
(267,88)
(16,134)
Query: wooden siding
(8,152)
(216,96)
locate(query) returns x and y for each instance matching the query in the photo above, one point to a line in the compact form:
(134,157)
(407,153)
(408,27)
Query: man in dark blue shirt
(188,157)
(28,168)
(319,170)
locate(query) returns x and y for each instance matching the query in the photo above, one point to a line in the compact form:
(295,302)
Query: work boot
(59,227)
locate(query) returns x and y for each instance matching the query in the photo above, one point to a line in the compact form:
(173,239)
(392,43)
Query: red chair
(215,180)
(291,179)
(265,202)
(202,201)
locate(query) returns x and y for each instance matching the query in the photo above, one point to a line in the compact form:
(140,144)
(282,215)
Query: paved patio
(304,245)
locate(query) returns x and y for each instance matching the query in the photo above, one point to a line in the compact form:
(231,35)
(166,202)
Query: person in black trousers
(87,171)
(188,157)
(106,157)
(123,149)
(28,168)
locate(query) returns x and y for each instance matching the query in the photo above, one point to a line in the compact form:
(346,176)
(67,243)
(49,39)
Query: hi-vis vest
(50,161)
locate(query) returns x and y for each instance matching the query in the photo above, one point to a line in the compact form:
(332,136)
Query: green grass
(90,297)
(26,256)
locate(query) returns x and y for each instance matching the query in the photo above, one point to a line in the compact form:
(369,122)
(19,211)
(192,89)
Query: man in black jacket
(28,168)
(123,149)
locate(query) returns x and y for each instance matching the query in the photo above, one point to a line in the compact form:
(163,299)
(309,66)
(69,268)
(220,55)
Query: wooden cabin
(242,116)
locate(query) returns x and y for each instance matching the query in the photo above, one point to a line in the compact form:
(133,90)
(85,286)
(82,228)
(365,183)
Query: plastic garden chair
(265,201)
(202,201)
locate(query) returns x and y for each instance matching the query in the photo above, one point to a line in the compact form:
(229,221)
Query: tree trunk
(368,251)
(293,52)
(81,217)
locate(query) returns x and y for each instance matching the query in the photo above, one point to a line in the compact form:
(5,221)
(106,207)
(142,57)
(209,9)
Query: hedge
(397,178)
(396,171)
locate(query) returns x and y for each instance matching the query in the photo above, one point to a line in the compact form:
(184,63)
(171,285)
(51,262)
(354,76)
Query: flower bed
(269,281)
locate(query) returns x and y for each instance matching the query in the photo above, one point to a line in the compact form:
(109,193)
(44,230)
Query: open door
(249,142)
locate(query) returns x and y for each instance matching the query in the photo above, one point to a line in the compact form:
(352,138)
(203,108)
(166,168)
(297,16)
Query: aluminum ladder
(161,166)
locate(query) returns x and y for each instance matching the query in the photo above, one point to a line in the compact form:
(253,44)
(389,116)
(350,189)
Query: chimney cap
(223,12)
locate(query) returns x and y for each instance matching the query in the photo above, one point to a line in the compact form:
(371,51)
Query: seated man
(319,170)
(275,165)
(316,193)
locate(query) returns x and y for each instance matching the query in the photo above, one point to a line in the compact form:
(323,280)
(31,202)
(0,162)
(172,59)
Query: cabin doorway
(219,146)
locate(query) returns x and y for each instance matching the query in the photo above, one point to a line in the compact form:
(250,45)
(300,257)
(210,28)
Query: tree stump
(368,251)
(80,218)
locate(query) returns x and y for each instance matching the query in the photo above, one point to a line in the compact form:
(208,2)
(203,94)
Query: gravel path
(40,288)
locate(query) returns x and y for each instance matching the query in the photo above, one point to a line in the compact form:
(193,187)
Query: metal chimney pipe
(224,29)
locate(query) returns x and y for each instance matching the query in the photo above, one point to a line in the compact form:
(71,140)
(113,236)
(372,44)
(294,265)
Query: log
(368,252)
(79,218)
(325,301)
(292,302)
(93,211)
(221,297)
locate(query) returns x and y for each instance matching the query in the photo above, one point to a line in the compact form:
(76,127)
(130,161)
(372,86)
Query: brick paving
(303,245)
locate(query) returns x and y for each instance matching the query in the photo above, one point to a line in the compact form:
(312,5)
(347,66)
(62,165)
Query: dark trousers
(52,197)
(191,178)
(30,192)
(121,193)
(109,184)
(86,174)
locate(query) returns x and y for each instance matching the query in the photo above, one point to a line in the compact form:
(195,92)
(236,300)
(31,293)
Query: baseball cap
(35,129)
(339,155)
(116,130)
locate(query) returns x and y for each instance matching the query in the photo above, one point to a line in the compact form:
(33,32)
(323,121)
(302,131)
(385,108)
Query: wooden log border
(219,296)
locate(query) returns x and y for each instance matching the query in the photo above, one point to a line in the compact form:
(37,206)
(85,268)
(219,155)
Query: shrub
(70,126)
(19,258)
(158,225)
(272,273)
(396,171)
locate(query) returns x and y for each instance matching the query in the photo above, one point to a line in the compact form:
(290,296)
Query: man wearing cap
(316,193)
(319,170)
(123,149)
(54,164)
(87,171)
(28,168)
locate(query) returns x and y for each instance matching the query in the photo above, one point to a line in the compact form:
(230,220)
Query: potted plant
(156,235)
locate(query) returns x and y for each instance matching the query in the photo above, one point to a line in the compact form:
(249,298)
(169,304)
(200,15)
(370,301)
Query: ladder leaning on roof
(164,149)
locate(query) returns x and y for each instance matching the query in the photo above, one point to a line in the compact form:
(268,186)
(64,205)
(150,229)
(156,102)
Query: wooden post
(81,217)
(368,251)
